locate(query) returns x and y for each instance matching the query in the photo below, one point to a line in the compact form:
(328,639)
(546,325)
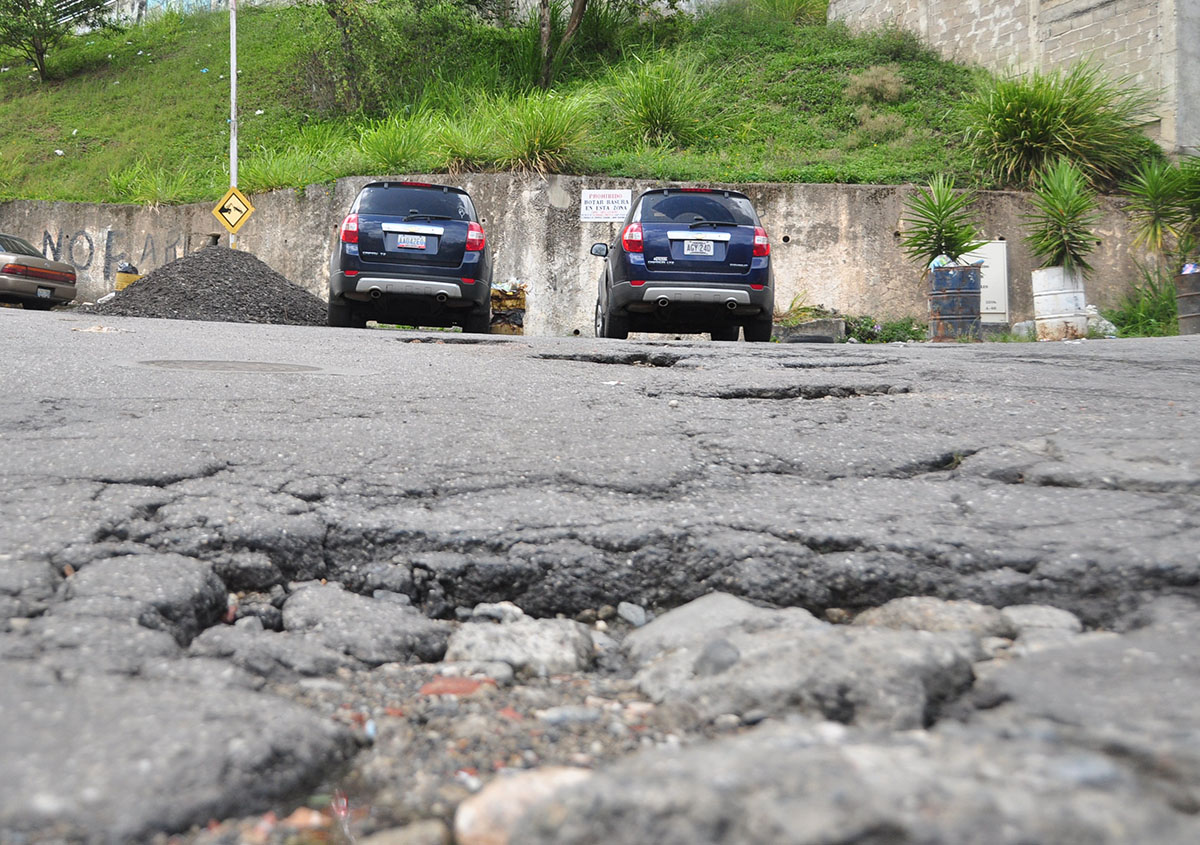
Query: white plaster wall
(835,245)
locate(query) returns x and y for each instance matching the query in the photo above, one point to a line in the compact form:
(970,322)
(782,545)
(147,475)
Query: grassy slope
(774,107)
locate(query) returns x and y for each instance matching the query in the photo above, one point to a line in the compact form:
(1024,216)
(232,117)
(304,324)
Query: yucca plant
(541,132)
(656,101)
(940,222)
(1065,213)
(1156,205)
(1019,126)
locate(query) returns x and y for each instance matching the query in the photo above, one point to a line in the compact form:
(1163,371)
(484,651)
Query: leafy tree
(34,27)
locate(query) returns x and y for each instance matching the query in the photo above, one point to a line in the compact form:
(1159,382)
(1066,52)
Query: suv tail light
(631,238)
(350,229)
(475,238)
(762,246)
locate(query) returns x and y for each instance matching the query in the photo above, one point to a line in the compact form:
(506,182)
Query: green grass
(141,115)
(1149,309)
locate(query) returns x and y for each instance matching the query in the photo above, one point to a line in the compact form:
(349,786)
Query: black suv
(688,260)
(411,253)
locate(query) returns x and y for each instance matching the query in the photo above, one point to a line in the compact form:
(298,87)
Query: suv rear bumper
(730,300)
(399,288)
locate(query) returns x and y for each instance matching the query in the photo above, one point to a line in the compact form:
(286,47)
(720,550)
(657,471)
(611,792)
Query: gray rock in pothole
(536,647)
(926,613)
(693,623)
(804,785)
(276,656)
(1036,618)
(184,594)
(632,613)
(110,759)
(370,630)
(899,679)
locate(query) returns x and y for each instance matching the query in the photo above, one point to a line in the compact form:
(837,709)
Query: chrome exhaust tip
(663,302)
(441,297)
(731,304)
(376,293)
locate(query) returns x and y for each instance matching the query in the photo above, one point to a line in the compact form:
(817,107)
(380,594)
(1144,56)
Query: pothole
(830,363)
(466,340)
(807,391)
(629,359)
(231,366)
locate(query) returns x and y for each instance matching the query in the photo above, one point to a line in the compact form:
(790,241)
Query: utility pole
(233,123)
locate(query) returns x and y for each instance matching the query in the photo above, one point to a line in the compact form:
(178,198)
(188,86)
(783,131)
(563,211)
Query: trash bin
(127,274)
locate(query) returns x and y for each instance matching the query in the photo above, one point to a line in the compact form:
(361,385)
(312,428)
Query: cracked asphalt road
(568,474)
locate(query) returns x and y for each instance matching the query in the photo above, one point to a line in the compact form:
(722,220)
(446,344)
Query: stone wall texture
(1154,42)
(833,245)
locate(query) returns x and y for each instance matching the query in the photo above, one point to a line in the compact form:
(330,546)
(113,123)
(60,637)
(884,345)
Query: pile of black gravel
(217,284)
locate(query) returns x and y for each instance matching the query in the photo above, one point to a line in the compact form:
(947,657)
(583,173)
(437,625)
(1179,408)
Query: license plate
(697,247)
(410,241)
(43,293)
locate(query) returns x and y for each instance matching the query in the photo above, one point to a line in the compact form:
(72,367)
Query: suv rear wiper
(699,223)
(416,216)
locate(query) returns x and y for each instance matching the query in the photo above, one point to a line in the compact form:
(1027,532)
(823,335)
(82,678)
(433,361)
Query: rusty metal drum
(954,293)
(1187,298)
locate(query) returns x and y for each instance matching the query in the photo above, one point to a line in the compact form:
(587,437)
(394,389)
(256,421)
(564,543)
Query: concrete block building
(1155,42)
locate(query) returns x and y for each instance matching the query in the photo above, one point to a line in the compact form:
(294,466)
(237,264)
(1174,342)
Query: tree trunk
(548,57)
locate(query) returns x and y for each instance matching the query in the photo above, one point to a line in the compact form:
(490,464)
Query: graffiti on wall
(97,255)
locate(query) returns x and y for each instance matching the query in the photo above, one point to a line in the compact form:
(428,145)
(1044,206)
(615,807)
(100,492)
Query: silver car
(31,281)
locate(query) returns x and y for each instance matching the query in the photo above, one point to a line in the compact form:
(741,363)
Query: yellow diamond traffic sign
(233,210)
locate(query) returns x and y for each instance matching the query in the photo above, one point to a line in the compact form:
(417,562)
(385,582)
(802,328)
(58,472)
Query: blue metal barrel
(954,303)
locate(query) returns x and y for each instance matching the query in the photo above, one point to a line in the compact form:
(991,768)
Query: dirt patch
(217,284)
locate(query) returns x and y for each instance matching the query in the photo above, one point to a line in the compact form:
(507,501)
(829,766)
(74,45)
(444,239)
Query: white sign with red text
(604,205)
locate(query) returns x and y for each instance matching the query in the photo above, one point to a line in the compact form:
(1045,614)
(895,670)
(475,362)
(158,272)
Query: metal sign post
(233,127)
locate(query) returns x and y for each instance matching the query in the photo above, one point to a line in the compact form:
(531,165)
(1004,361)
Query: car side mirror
(600,249)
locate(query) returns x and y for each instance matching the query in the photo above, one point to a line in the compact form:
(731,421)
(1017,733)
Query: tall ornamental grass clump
(1017,126)
(542,132)
(791,11)
(656,101)
(400,143)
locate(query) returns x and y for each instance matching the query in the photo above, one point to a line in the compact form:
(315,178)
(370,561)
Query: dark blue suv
(688,260)
(411,253)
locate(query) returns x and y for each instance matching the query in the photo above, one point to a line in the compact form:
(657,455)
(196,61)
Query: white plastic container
(1059,304)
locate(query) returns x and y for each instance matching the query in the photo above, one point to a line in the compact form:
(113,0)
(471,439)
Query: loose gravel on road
(216,284)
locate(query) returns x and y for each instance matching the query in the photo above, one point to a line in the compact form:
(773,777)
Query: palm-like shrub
(940,222)
(1065,212)
(1019,126)
(1164,206)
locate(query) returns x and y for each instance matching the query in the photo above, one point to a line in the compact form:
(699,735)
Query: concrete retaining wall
(1152,41)
(836,245)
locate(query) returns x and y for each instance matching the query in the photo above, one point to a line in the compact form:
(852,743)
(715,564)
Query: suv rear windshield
(17,246)
(691,206)
(402,200)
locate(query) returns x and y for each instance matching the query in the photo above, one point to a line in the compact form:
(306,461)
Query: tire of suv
(611,325)
(725,332)
(759,331)
(343,316)
(479,322)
